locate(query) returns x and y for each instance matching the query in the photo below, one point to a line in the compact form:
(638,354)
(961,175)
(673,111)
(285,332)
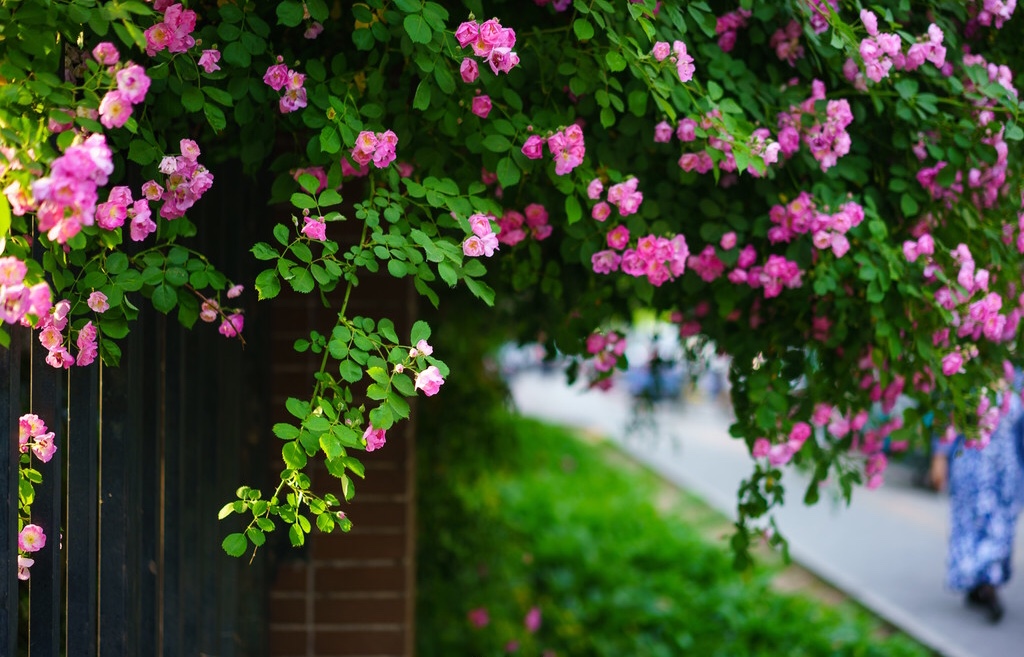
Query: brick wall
(349,594)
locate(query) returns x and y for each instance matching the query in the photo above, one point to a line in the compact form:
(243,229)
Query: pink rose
(534,147)
(429,381)
(482,106)
(375,438)
(469,70)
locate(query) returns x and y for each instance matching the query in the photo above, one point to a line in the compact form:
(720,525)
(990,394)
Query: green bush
(570,527)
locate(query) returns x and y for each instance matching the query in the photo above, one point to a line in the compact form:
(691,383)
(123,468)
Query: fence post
(10,410)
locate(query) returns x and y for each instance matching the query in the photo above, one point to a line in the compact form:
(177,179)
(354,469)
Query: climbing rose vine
(828,191)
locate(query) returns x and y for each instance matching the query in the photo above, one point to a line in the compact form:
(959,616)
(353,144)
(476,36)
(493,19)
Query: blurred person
(986,492)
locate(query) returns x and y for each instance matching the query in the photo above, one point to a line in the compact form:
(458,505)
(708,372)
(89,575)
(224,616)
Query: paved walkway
(887,549)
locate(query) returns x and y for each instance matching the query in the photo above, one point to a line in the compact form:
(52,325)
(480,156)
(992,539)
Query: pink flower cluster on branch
(624,196)
(19,303)
(826,139)
(132,85)
(786,42)
(801,216)
(566,146)
(174,32)
(483,241)
(52,324)
(491,42)
(676,53)
(515,226)
(281,78)
(727,25)
(378,148)
(33,436)
(187,180)
(606,349)
(67,197)
(882,51)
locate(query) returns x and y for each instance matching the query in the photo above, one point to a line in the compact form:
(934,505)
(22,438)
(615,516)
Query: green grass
(617,567)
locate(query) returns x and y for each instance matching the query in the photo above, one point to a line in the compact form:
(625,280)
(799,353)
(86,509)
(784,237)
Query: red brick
(361,610)
(360,546)
(362,642)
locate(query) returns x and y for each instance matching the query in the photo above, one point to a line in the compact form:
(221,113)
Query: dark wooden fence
(146,455)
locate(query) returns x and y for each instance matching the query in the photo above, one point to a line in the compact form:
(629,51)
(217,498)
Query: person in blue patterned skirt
(986,493)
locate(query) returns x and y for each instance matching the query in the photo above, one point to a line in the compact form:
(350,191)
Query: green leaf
(421,100)
(235,544)
(286,431)
(330,140)
(328,198)
(261,250)
(5,216)
(497,143)
(583,29)
(350,371)
(294,456)
(616,62)
(268,285)
(909,206)
(447,273)
(573,210)
(164,298)
(257,537)
(192,99)
(508,172)
(420,331)
(417,28)
(290,13)
(303,201)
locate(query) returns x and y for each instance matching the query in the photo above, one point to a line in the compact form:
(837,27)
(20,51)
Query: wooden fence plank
(83,440)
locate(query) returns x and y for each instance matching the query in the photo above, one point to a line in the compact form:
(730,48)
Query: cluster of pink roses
(881,51)
(677,50)
(32,435)
(51,337)
(515,226)
(378,148)
(777,273)
(659,259)
(624,196)
(119,207)
(994,12)
(727,25)
(67,197)
(801,216)
(483,241)
(174,32)
(827,140)
(186,181)
(819,13)
(566,146)
(786,41)
(491,42)
(232,319)
(132,86)
(985,179)
(279,77)
(19,302)
(606,349)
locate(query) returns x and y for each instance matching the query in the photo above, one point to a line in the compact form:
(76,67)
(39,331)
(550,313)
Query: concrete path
(886,550)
